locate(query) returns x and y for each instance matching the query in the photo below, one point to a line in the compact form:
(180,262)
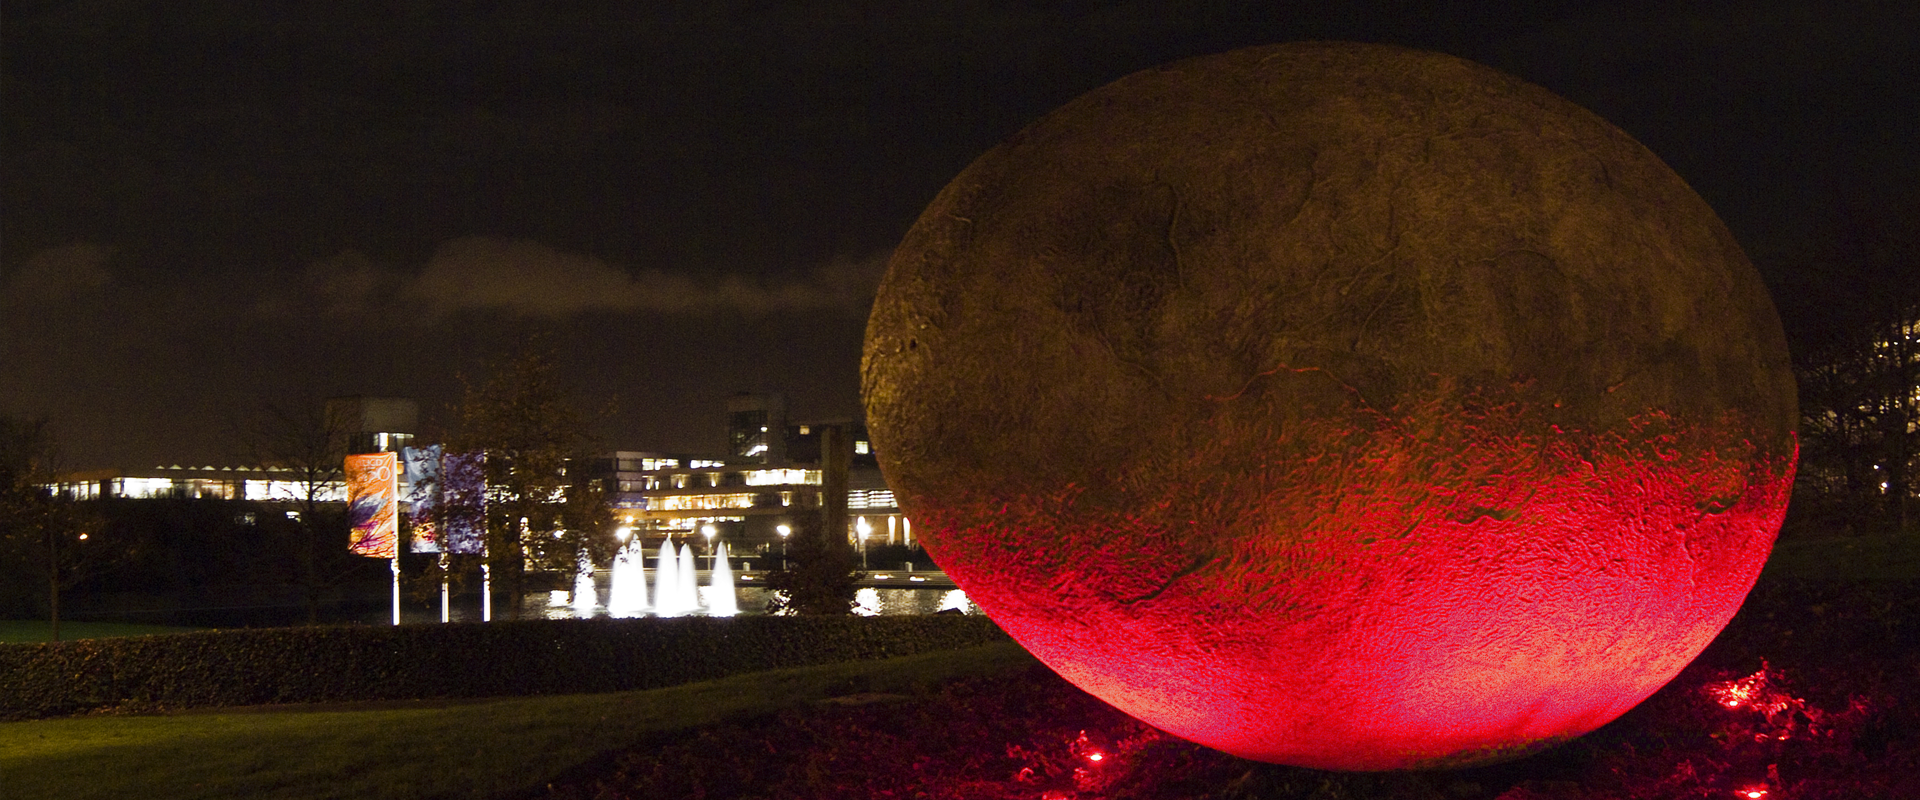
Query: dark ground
(1829,668)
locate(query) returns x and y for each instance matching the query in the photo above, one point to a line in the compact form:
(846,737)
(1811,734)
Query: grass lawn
(1833,629)
(28,630)
(421,750)
(1832,670)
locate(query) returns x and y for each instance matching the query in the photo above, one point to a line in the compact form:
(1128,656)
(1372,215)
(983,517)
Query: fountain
(584,595)
(721,601)
(687,585)
(955,600)
(627,590)
(666,592)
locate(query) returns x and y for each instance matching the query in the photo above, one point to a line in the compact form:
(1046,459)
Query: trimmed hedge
(532,657)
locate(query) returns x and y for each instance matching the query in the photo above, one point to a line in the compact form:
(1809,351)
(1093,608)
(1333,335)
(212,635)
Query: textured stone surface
(1337,405)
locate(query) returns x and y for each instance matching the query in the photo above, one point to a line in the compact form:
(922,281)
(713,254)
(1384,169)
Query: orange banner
(373,486)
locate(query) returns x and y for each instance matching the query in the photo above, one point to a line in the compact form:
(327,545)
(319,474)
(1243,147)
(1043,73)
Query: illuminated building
(755,425)
(773,474)
(265,484)
(747,503)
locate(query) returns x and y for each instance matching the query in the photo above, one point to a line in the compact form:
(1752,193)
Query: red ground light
(1450,583)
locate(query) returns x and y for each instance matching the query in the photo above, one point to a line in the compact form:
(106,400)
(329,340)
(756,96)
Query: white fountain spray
(666,593)
(584,595)
(687,585)
(721,601)
(627,596)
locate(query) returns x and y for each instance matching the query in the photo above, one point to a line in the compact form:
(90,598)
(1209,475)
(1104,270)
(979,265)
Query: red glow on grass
(1734,694)
(1422,588)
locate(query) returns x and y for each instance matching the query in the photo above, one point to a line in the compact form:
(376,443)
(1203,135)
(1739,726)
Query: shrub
(351,663)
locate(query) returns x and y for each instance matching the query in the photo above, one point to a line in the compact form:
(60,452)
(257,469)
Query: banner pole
(486,592)
(396,586)
(445,612)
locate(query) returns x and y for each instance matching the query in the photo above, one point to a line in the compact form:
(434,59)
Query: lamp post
(708,531)
(785,531)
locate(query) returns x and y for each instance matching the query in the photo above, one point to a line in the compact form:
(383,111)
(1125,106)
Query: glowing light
(782,477)
(1096,756)
(867,602)
(704,502)
(1753,794)
(623,532)
(1751,690)
(1507,616)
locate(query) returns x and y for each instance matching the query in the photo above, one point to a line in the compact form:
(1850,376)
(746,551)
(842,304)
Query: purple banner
(463,498)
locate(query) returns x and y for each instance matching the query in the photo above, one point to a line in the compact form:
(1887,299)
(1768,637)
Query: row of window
(200,488)
(714,480)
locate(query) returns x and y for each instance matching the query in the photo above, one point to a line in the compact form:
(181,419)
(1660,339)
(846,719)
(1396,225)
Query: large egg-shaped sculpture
(1336,405)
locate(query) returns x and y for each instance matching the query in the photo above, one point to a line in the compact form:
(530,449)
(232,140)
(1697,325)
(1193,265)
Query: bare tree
(305,450)
(1855,305)
(1860,403)
(538,516)
(44,533)
(818,578)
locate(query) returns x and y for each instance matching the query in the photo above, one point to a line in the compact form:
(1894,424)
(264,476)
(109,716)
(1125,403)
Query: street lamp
(708,531)
(785,531)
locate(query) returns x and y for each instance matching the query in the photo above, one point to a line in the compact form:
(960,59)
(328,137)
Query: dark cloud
(524,278)
(211,205)
(57,274)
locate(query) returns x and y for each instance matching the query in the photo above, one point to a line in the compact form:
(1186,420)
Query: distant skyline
(208,207)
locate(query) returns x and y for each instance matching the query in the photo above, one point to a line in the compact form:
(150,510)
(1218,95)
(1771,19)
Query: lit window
(781,477)
(697,502)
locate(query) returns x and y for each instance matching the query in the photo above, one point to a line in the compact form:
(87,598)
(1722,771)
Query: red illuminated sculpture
(1336,405)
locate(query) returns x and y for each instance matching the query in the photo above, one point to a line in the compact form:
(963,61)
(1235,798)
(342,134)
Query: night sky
(211,206)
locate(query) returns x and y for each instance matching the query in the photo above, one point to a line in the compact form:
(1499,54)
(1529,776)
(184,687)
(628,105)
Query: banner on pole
(463,499)
(372,504)
(421,475)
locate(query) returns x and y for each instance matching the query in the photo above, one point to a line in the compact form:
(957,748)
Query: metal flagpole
(445,612)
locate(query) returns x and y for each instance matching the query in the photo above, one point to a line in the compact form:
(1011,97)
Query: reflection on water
(868,602)
(752,601)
